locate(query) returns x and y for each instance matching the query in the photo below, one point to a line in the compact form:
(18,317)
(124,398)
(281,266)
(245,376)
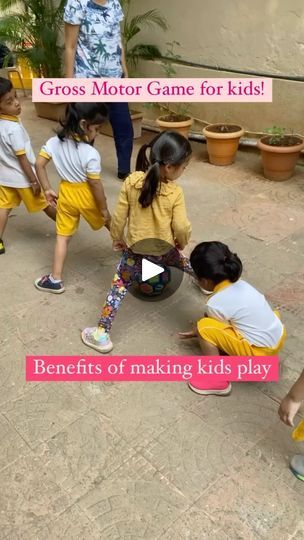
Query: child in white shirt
(18,181)
(239,321)
(81,192)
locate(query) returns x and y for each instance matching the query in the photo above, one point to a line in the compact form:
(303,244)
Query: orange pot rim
(184,123)
(213,135)
(280,149)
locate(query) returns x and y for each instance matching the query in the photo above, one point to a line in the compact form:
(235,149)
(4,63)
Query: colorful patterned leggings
(129,271)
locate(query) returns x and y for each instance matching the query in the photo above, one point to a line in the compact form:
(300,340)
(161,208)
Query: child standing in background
(18,181)
(81,192)
(239,321)
(153,206)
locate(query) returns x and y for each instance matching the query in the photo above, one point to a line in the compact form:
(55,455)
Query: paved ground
(149,461)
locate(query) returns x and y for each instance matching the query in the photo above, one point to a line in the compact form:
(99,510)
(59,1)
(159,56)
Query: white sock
(53,280)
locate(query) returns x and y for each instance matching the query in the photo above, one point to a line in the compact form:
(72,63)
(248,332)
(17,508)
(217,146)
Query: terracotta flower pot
(222,142)
(279,161)
(177,122)
(51,111)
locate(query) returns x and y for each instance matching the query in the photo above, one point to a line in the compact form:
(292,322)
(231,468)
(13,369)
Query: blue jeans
(120,120)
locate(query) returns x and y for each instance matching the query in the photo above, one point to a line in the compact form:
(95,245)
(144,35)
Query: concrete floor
(149,461)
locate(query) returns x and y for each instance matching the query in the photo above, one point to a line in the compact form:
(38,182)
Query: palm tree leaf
(8,4)
(149,18)
(37,23)
(144,51)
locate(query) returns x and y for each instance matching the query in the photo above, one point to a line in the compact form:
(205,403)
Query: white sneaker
(97,339)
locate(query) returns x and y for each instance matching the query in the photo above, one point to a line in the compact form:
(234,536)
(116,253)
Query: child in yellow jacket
(153,206)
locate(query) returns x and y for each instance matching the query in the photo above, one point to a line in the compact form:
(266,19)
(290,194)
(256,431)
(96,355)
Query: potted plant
(280,153)
(132,26)
(179,119)
(222,142)
(32,28)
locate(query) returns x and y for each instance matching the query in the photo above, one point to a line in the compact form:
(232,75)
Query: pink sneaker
(220,389)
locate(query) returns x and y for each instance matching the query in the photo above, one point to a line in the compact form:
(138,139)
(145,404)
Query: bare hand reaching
(119,245)
(288,409)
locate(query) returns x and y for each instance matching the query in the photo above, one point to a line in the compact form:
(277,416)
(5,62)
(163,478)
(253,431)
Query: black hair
(5,86)
(167,148)
(93,113)
(215,261)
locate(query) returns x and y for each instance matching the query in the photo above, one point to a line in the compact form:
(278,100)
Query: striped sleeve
(46,151)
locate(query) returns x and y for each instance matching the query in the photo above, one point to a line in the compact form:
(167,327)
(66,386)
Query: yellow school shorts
(228,340)
(12,197)
(76,200)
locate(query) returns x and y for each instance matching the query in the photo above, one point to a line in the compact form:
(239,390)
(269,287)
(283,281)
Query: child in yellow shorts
(81,192)
(239,321)
(18,181)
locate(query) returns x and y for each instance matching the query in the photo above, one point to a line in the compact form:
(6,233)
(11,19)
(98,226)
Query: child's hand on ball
(119,245)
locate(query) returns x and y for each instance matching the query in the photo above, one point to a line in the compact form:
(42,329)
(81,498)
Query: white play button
(149,270)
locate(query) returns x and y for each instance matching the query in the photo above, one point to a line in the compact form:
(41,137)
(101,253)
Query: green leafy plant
(277,136)
(132,26)
(32,28)
(170,58)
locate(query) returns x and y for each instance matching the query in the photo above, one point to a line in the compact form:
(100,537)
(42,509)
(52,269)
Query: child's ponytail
(92,113)
(167,148)
(70,123)
(233,267)
(150,185)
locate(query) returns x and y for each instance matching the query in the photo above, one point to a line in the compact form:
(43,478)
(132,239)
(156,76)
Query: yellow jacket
(164,219)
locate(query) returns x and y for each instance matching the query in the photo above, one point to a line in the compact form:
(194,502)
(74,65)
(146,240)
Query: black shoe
(2,248)
(122,175)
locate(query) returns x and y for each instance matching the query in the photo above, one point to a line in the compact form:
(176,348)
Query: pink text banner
(157,90)
(152,368)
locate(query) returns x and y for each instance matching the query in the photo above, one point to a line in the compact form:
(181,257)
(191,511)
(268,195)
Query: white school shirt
(75,161)
(14,141)
(248,311)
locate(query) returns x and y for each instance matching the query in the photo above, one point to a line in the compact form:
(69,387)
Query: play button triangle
(149,270)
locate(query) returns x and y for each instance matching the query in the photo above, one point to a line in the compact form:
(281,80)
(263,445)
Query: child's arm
(188,335)
(119,219)
(124,63)
(192,333)
(29,173)
(100,198)
(50,194)
(71,32)
(292,401)
(180,224)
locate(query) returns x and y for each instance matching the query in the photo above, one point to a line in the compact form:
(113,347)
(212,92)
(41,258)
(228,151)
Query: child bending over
(239,321)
